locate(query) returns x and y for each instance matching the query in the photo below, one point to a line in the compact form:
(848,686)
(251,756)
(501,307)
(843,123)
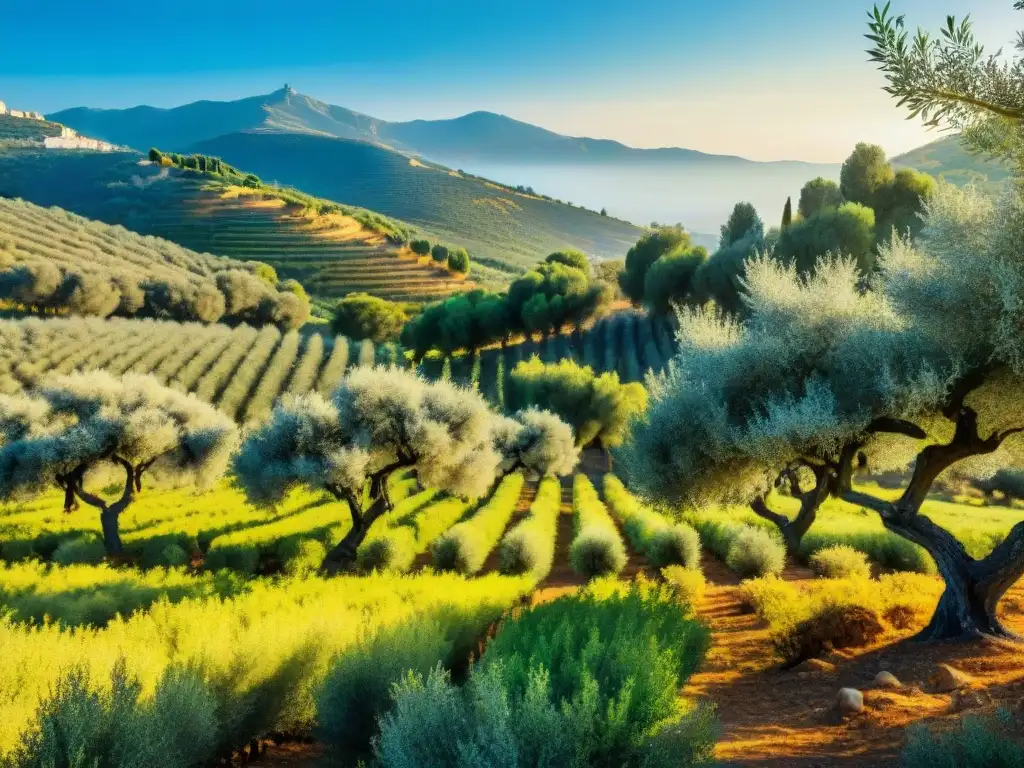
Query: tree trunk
(111,531)
(968,606)
(343,556)
(793,531)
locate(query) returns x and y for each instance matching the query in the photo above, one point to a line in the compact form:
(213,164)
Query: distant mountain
(641,185)
(480,136)
(948,159)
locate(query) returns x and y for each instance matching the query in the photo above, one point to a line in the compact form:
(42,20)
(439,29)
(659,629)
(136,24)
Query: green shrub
(585,680)
(677,544)
(82,550)
(687,583)
(529,547)
(301,557)
(177,727)
(973,743)
(439,254)
(597,547)
(776,601)
(243,558)
(420,247)
(650,533)
(840,561)
(883,548)
(17,550)
(465,547)
(834,626)
(357,688)
(755,552)
(166,551)
(458,261)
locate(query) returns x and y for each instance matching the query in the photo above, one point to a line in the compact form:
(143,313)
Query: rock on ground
(850,701)
(947,679)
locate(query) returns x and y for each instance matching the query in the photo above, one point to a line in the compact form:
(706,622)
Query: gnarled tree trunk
(110,512)
(793,531)
(342,556)
(967,608)
(974,588)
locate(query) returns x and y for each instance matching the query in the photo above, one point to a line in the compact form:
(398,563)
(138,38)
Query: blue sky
(763,79)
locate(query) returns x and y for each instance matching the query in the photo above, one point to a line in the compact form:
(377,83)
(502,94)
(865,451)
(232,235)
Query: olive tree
(62,433)
(925,370)
(950,81)
(599,408)
(383,420)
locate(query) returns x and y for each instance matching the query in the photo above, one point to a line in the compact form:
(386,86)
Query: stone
(962,700)
(886,679)
(947,679)
(850,701)
(814,665)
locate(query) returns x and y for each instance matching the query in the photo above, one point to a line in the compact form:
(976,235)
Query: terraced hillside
(331,255)
(502,228)
(244,370)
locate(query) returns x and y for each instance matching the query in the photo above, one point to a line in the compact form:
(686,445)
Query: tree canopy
(670,278)
(648,249)
(926,367)
(62,433)
(458,261)
(864,173)
(818,194)
(599,408)
(848,230)
(742,220)
(381,420)
(362,316)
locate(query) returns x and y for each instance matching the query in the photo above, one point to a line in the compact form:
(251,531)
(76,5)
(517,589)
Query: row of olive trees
(53,260)
(71,430)
(921,368)
(557,293)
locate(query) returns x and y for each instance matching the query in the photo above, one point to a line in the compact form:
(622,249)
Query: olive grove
(924,368)
(71,428)
(382,420)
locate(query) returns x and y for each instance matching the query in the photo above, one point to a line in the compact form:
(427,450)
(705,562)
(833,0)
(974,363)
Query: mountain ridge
(479,135)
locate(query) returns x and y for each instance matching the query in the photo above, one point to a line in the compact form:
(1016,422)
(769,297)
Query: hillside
(948,159)
(53,260)
(330,254)
(501,228)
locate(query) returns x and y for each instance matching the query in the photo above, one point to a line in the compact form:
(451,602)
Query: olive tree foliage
(599,408)
(823,376)
(382,420)
(362,316)
(66,431)
(950,81)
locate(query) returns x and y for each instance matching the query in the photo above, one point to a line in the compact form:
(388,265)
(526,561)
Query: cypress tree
(787,213)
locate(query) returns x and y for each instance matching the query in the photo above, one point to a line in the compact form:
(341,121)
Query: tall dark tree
(787,213)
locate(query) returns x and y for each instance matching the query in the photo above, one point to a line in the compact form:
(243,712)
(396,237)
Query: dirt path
(786,718)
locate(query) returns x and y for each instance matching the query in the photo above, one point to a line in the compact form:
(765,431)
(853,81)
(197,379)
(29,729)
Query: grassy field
(244,371)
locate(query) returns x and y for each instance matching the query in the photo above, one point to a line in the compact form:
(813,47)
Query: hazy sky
(765,79)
